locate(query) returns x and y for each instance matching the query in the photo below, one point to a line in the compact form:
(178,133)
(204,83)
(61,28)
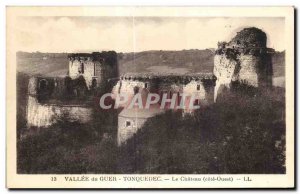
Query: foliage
(22,88)
(244,132)
(239,134)
(68,147)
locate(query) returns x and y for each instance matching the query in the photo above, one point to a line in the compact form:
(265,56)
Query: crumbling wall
(127,86)
(91,70)
(200,88)
(196,89)
(96,68)
(43,115)
(226,70)
(249,69)
(249,37)
(245,59)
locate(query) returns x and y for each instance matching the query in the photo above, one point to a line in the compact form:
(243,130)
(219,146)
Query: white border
(3,3)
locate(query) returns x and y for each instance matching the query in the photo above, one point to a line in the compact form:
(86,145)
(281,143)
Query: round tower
(245,58)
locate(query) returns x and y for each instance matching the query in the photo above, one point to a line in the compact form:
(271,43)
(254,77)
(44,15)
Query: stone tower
(96,68)
(245,59)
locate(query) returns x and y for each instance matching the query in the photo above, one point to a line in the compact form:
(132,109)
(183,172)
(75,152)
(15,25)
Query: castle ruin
(96,68)
(51,98)
(201,86)
(244,59)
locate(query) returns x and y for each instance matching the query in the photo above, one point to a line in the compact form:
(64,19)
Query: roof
(137,112)
(140,112)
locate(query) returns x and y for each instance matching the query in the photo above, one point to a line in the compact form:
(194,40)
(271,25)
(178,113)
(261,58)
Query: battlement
(168,77)
(105,57)
(86,57)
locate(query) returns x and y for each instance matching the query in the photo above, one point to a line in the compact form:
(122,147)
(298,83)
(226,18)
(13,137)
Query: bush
(239,134)
(67,147)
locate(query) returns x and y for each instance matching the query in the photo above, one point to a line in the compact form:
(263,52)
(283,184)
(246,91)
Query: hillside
(50,64)
(185,61)
(176,61)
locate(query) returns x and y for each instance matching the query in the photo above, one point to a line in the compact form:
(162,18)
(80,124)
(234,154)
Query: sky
(128,34)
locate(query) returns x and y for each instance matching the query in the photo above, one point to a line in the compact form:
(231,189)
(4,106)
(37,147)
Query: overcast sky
(127,34)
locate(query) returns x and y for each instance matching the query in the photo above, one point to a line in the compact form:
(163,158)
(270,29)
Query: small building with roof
(130,120)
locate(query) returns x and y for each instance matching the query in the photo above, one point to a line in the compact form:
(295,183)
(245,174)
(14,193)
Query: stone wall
(225,69)
(91,70)
(96,68)
(248,72)
(124,133)
(245,59)
(127,86)
(201,89)
(43,115)
(131,120)
(195,88)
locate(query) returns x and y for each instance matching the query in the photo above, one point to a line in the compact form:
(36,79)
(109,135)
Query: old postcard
(150,97)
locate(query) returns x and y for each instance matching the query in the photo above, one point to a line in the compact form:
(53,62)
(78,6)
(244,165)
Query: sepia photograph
(163,100)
